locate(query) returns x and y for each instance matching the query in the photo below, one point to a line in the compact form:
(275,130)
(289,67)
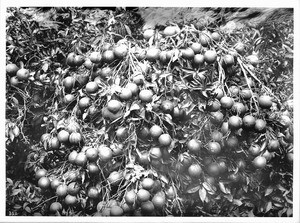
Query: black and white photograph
(142,112)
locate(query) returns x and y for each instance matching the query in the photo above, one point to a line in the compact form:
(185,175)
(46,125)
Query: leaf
(193,189)
(17,206)
(15,192)
(223,188)
(268,206)
(45,67)
(229,197)
(268,191)
(202,194)
(237,202)
(9,181)
(127,30)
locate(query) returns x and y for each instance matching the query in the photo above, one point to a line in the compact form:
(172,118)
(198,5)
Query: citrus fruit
(213,169)
(199,59)
(213,106)
(159,200)
(81,159)
(143,158)
(92,154)
(146,95)
(234,177)
(217,117)
(164,140)
(75,138)
(194,146)
(122,133)
(246,94)
(265,101)
(143,195)
(216,136)
(130,197)
(93,168)
(216,36)
(226,102)
(78,60)
(155,153)
(259,162)
(72,156)
(95,57)
(70,200)
(55,207)
(23,74)
(105,154)
(223,167)
(125,94)
(120,51)
(147,208)
(267,155)
(148,33)
(91,87)
(55,183)
(228,60)
(108,56)
(232,142)
(73,188)
(105,72)
(88,64)
(273,145)
(170,31)
(171,192)
(69,98)
(210,56)
(254,149)
(133,87)
(260,125)
(248,121)
(188,53)
(61,190)
(114,178)
(84,102)
(204,40)
(196,47)
(235,122)
(116,211)
(69,82)
(12,69)
(114,106)
(214,148)
(147,183)
(240,48)
(54,143)
(14,81)
(290,157)
(195,170)
(155,131)
(253,59)
(93,193)
(44,183)
(40,173)
(238,108)
(218,92)
(152,54)
(167,106)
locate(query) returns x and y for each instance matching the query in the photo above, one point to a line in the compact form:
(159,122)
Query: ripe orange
(75,138)
(259,162)
(138,79)
(147,208)
(120,51)
(254,149)
(164,140)
(14,81)
(105,72)
(116,211)
(216,136)
(213,105)
(122,133)
(246,94)
(54,143)
(143,195)
(195,170)
(170,31)
(72,156)
(248,121)
(171,192)
(61,190)
(55,207)
(204,40)
(12,69)
(226,102)
(238,108)
(285,121)
(240,48)
(69,82)
(44,182)
(213,169)
(143,159)
(105,153)
(228,60)
(210,56)
(217,117)
(114,106)
(273,145)
(223,167)
(55,183)
(73,188)
(108,56)
(93,193)
(267,155)
(216,36)
(196,47)
(81,159)
(194,146)
(133,87)
(188,53)
(199,59)
(225,128)
(115,178)
(235,122)
(155,153)
(91,87)
(234,177)
(40,173)
(78,60)
(93,168)
(157,186)
(95,57)
(260,125)
(130,197)
(92,154)
(88,64)
(214,148)
(253,59)
(69,98)
(148,33)
(84,102)
(232,142)
(159,200)
(167,106)
(265,101)
(155,131)
(152,54)
(125,94)
(70,200)
(147,183)
(23,74)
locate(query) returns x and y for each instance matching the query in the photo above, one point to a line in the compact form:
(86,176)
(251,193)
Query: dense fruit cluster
(163,125)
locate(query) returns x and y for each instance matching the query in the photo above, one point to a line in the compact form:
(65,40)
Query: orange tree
(117,120)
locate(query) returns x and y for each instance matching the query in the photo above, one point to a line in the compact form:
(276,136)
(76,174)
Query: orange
(12,69)
(267,155)
(148,33)
(265,101)
(108,56)
(70,200)
(199,59)
(93,168)
(228,60)
(114,106)
(84,103)
(164,140)
(213,169)
(130,197)
(155,131)
(196,47)
(259,162)
(72,156)
(234,177)
(69,98)
(240,48)
(105,72)
(210,56)
(61,190)
(170,31)
(171,192)
(120,51)
(226,102)
(55,183)
(223,166)
(254,149)
(105,153)
(260,125)
(225,128)
(248,121)
(23,74)
(195,170)
(217,117)
(187,53)
(167,106)
(152,54)
(54,143)
(213,105)
(106,212)
(73,188)
(88,64)
(69,82)
(214,148)
(95,57)
(147,183)
(216,36)
(78,60)
(55,206)
(246,94)
(75,138)
(143,158)
(125,94)
(155,153)
(253,59)
(219,93)
(115,178)
(143,195)
(232,142)
(133,87)
(159,201)
(81,159)
(235,122)
(40,173)
(93,193)
(91,87)
(147,208)
(204,40)
(122,133)
(14,81)
(116,211)
(91,154)
(273,145)
(44,183)
(194,146)
(216,136)
(138,79)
